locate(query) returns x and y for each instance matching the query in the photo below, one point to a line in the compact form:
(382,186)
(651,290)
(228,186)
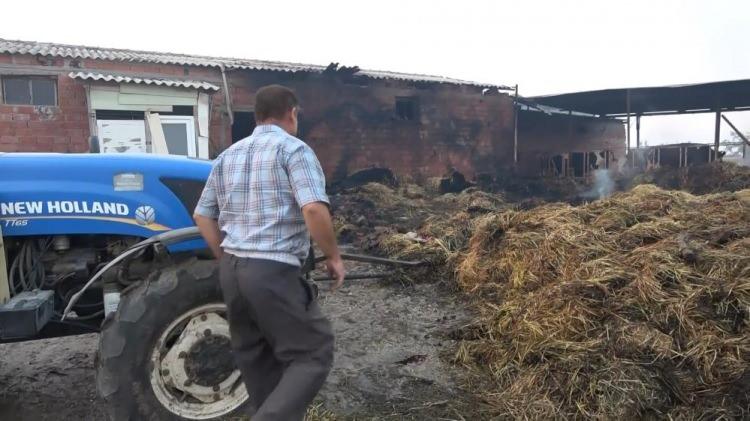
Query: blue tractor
(106,243)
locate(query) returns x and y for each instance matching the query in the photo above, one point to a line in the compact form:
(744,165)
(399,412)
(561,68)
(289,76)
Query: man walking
(263,196)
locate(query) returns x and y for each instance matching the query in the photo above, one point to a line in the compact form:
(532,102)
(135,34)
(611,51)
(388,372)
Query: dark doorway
(578,163)
(243,126)
(697,154)
(670,157)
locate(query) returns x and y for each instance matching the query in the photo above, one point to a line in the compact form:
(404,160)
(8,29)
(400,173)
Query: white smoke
(603,186)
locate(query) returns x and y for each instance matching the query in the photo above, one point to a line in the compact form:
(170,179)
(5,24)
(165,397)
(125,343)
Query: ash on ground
(392,361)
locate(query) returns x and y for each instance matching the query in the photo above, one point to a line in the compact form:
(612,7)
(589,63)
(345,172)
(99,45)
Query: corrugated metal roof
(78,51)
(656,100)
(114,54)
(195,84)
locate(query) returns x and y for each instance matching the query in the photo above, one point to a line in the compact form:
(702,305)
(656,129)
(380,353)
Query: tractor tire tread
(125,344)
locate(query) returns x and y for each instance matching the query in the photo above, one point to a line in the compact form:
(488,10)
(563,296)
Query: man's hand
(336,271)
(318,220)
(209,229)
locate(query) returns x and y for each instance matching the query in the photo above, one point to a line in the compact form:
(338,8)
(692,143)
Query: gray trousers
(282,343)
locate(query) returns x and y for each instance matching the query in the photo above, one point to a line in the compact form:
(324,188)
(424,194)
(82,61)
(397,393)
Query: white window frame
(189,122)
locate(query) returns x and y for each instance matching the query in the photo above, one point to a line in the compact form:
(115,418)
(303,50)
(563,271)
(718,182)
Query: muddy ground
(391,361)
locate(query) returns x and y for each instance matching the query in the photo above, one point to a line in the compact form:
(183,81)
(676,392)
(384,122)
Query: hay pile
(630,307)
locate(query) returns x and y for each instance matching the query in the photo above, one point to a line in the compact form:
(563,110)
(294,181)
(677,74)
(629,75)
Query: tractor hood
(122,194)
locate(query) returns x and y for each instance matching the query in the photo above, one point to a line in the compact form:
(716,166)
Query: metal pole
(515,127)
(739,133)
(227,96)
(717,133)
(628,152)
(627,107)
(638,131)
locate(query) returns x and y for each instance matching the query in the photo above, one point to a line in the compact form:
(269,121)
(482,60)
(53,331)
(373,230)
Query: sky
(544,46)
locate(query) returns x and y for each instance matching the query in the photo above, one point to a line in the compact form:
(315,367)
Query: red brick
(79,147)
(32,147)
(70,116)
(26,139)
(75,109)
(41,125)
(76,133)
(8,139)
(23,131)
(21,117)
(23,109)
(68,125)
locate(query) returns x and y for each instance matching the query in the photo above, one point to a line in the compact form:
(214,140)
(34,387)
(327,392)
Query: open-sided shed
(712,97)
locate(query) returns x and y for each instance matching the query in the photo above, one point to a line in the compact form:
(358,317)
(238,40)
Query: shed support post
(628,128)
(717,133)
(638,131)
(627,135)
(515,128)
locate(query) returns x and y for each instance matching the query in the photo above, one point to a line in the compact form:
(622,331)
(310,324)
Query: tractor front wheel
(166,353)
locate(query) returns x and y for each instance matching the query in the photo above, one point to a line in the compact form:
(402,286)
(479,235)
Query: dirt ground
(391,361)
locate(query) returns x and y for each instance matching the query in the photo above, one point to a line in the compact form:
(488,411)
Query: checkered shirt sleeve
(208,204)
(306,177)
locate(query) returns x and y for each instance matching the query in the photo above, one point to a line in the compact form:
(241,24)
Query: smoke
(603,186)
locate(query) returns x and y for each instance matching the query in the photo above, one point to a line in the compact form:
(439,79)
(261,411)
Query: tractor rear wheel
(166,353)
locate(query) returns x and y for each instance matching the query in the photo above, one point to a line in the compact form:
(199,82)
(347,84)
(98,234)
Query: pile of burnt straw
(635,306)
(699,179)
(365,214)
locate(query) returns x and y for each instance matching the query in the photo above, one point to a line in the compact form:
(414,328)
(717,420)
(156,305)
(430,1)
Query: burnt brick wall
(352,124)
(541,135)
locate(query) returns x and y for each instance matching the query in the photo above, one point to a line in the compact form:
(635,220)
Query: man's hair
(273,101)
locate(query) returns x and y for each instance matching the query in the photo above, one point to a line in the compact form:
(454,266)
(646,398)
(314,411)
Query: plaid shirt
(257,189)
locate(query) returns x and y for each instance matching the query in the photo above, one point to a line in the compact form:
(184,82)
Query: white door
(119,136)
(179,133)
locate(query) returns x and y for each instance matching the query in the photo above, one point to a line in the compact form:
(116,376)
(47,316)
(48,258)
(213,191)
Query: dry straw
(631,307)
